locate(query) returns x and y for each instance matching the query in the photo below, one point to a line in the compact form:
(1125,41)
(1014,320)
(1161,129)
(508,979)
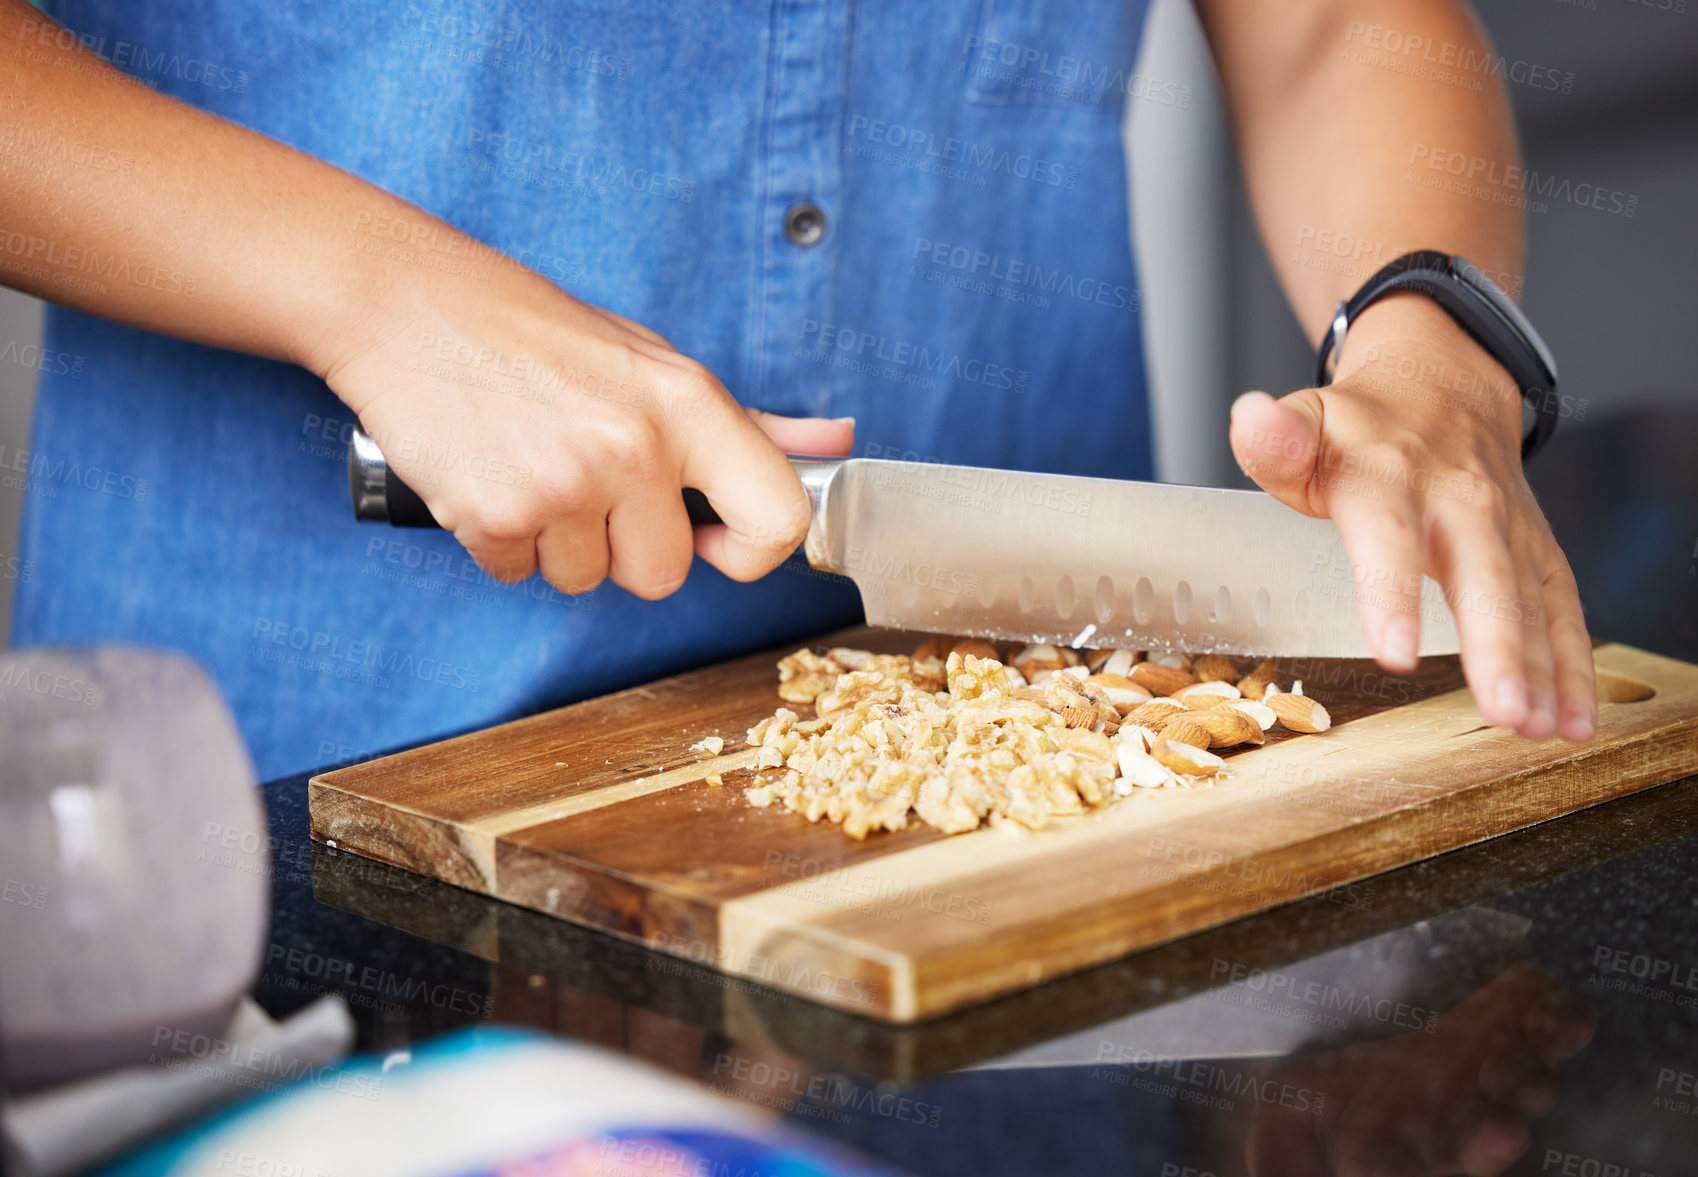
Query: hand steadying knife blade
(1054,558)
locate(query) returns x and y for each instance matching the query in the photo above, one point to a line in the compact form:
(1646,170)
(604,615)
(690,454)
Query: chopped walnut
(804,674)
(961,742)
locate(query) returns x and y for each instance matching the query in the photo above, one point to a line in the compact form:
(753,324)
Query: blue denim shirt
(973,300)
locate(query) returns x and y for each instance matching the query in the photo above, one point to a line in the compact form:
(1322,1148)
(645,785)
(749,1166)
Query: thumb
(817,437)
(1277,443)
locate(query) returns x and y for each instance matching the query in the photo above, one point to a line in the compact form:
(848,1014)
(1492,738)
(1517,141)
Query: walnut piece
(963,742)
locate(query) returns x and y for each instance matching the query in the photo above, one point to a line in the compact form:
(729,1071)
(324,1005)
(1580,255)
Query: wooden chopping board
(599,814)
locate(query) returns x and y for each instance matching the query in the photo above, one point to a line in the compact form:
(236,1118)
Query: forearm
(1339,152)
(128,204)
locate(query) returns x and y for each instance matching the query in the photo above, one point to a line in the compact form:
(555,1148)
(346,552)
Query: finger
(1571,650)
(1512,1074)
(649,538)
(501,539)
(1384,534)
(752,488)
(1492,1145)
(1473,564)
(1277,443)
(572,550)
(1559,1028)
(818,436)
(1536,657)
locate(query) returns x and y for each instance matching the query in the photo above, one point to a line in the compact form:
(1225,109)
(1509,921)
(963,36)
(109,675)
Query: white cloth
(65,1128)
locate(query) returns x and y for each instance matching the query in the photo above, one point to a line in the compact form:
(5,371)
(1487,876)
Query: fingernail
(1580,725)
(1511,699)
(1541,716)
(844,420)
(1242,397)
(1399,641)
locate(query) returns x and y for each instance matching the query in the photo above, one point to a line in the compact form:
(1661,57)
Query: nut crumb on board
(710,745)
(960,738)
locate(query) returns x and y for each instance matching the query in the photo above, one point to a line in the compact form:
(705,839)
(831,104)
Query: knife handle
(380,496)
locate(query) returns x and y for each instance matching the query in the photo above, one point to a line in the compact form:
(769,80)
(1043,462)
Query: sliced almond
(1160,680)
(1039,657)
(1214,668)
(1142,769)
(1169,659)
(1032,694)
(1113,661)
(1216,688)
(1153,713)
(1254,684)
(1120,690)
(1183,758)
(1076,673)
(1299,712)
(1297,687)
(1258,711)
(1139,737)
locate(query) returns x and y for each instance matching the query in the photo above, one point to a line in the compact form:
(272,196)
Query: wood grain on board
(598,813)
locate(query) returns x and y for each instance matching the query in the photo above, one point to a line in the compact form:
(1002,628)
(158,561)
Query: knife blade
(1063,559)
(1098,562)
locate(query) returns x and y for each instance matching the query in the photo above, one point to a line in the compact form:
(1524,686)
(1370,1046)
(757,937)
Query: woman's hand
(1414,453)
(549,434)
(1455,1096)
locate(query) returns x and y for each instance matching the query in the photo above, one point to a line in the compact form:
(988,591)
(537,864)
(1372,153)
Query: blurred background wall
(1613,292)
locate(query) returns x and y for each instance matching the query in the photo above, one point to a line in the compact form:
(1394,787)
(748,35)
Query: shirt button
(804,223)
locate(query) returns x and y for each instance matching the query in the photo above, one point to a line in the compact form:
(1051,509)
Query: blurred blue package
(494,1102)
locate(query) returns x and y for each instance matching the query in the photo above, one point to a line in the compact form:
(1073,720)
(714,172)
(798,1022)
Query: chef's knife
(1055,558)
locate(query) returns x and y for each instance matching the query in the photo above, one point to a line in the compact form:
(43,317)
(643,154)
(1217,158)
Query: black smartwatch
(1481,308)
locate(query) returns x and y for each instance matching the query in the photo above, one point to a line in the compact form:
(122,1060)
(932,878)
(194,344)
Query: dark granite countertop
(1331,1032)
(1163,1058)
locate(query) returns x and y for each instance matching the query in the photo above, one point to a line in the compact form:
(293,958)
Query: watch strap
(1480,308)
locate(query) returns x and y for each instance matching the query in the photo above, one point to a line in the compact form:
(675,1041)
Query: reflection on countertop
(1180,1046)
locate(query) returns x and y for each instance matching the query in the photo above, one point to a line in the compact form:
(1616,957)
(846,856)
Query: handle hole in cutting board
(1618,688)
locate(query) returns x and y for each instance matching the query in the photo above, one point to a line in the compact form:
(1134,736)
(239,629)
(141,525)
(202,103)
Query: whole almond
(930,648)
(1227,728)
(977,647)
(1160,680)
(1184,728)
(1080,717)
(1299,712)
(1214,668)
